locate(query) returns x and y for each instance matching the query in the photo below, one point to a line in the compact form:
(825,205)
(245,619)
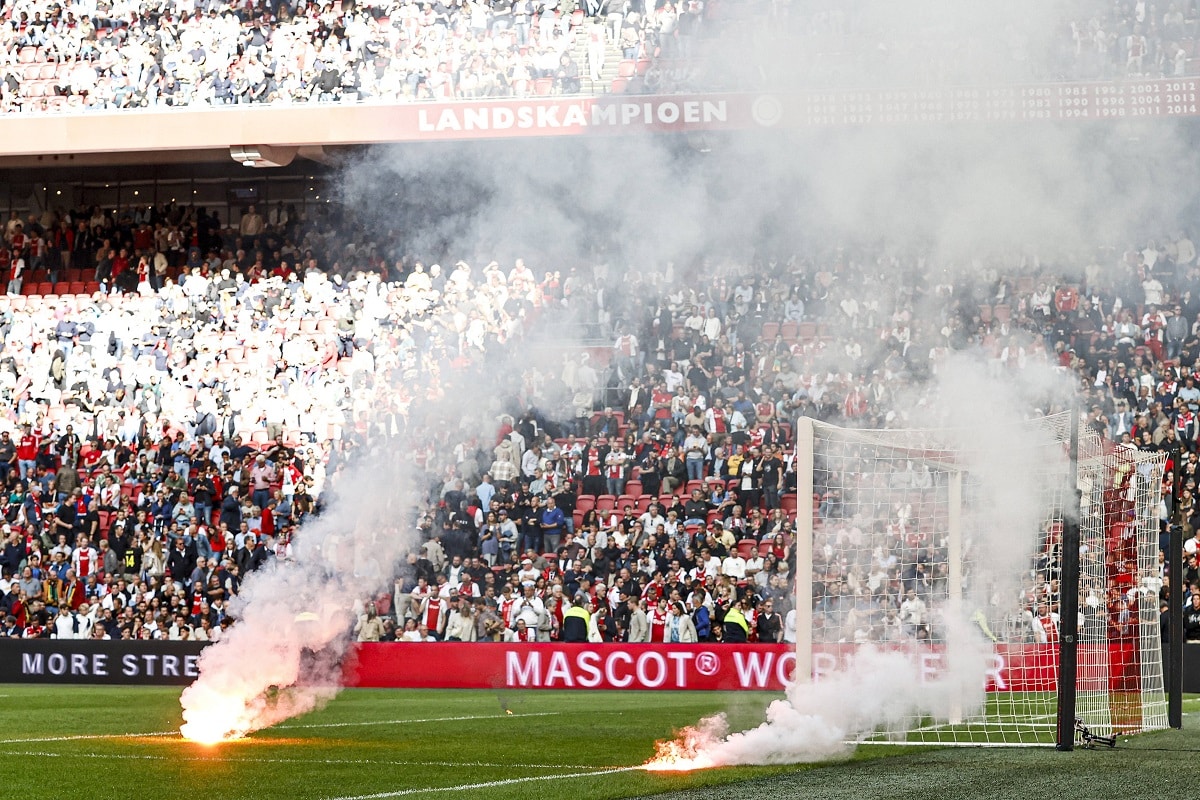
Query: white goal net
(937,544)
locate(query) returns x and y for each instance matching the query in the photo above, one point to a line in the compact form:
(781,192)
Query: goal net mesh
(926,540)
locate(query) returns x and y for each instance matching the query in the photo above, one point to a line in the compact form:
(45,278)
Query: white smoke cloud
(877,690)
(974,198)
(880,691)
(294,618)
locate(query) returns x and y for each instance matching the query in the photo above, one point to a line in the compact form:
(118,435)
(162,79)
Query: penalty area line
(487,784)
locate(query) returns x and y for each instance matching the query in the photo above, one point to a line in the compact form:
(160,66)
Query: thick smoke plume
(885,690)
(971,200)
(819,721)
(284,655)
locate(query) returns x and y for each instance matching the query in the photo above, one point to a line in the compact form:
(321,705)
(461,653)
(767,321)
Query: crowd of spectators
(113,55)
(120,55)
(170,432)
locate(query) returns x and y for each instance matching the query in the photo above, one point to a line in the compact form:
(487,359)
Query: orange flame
(687,752)
(220,719)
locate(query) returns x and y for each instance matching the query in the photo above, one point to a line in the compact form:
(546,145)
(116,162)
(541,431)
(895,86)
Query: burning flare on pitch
(691,749)
(215,719)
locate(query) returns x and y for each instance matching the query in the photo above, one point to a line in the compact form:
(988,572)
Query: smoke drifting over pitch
(283,657)
(972,200)
(882,689)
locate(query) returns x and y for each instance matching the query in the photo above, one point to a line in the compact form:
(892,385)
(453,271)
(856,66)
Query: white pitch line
(487,784)
(353,761)
(88,736)
(413,721)
(36,739)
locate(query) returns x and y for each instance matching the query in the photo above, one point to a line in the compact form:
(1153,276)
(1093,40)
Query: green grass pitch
(87,742)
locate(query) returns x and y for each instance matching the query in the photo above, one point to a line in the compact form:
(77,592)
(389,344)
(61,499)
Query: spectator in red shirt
(27,450)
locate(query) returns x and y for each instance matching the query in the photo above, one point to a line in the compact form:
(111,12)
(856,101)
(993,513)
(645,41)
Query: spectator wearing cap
(528,572)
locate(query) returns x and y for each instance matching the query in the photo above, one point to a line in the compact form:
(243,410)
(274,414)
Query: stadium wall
(455,665)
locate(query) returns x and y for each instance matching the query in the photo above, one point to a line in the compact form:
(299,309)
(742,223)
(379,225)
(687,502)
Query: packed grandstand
(71,56)
(181,395)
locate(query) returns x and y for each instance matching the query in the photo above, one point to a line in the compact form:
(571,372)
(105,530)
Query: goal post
(958,552)
(1068,651)
(803,548)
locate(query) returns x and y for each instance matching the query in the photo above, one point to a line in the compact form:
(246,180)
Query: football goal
(1023,559)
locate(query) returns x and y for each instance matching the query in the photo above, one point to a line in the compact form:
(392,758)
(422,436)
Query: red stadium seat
(585,502)
(634,488)
(788,503)
(606,502)
(619,86)
(769,331)
(627,68)
(746,547)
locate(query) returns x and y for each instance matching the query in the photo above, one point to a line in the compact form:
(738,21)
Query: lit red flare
(687,752)
(218,719)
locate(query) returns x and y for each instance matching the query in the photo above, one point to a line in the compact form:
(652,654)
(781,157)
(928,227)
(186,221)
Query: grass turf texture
(426,743)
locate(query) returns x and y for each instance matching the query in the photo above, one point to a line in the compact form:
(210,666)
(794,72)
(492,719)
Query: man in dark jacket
(576,620)
(231,510)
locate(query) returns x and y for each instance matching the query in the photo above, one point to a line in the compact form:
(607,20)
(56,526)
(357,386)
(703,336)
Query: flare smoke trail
(877,691)
(283,657)
(973,199)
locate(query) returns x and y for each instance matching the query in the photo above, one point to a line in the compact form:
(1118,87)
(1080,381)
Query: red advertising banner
(456,665)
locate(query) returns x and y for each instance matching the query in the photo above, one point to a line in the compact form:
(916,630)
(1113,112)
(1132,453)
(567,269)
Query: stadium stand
(179,396)
(70,57)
